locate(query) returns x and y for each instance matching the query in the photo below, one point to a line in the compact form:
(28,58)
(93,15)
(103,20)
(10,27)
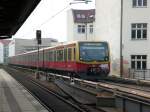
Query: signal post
(38,38)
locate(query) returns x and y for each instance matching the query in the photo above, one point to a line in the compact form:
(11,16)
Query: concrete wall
(70,26)
(11,48)
(1,53)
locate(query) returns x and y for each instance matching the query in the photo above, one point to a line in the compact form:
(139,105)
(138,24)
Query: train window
(74,53)
(55,55)
(28,58)
(60,55)
(34,57)
(69,54)
(51,55)
(41,56)
(65,54)
(45,56)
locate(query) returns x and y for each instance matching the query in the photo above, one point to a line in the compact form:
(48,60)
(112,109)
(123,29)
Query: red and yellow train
(85,59)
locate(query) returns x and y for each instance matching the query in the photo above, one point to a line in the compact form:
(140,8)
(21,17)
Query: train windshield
(93,51)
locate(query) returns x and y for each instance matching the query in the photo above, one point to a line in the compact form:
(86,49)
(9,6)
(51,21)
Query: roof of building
(13,14)
(83,16)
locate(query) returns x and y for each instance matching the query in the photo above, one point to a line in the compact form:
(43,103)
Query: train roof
(61,44)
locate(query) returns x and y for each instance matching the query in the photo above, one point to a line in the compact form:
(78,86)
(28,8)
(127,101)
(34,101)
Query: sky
(50,16)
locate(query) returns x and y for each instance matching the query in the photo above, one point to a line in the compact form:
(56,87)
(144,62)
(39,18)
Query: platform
(15,98)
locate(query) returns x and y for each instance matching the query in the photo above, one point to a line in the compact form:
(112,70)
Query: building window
(91,28)
(139,3)
(81,28)
(139,31)
(83,16)
(78,16)
(139,62)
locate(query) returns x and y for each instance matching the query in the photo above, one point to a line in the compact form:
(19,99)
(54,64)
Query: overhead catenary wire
(47,20)
(53,16)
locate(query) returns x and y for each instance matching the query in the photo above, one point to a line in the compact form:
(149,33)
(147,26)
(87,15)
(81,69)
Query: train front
(94,59)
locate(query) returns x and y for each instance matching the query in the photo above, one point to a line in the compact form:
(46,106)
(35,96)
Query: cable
(53,16)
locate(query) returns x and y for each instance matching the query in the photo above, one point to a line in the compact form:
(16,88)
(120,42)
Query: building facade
(80,24)
(4,50)
(17,46)
(135,34)
(107,28)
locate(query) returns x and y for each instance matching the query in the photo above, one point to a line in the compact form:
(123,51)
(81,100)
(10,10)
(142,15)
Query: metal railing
(139,74)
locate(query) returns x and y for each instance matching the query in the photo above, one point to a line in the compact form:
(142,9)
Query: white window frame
(91,29)
(135,27)
(81,29)
(137,5)
(136,60)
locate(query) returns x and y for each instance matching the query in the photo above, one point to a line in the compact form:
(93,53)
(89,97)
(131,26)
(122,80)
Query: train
(83,59)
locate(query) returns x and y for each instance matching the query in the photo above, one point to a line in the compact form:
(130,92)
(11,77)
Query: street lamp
(38,37)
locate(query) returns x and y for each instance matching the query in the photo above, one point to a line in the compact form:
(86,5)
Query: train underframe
(91,73)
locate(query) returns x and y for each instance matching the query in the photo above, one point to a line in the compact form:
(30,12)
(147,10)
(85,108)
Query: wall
(70,25)
(1,53)
(72,31)
(108,28)
(135,47)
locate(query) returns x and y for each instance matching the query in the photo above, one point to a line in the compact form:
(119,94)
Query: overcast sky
(43,19)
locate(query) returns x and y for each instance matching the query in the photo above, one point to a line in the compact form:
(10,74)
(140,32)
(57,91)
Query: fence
(139,74)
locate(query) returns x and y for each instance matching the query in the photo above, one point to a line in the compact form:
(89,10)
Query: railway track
(53,101)
(130,92)
(110,84)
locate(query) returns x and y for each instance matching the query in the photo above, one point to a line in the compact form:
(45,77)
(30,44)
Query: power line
(57,13)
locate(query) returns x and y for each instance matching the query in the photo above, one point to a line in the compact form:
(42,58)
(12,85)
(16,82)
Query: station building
(4,50)
(80,24)
(135,34)
(17,45)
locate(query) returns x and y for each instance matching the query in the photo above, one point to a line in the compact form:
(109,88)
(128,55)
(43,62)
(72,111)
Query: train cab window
(69,54)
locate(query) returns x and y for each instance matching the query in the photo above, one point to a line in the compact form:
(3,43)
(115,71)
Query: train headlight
(104,66)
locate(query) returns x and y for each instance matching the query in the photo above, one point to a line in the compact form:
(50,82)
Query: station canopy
(13,14)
